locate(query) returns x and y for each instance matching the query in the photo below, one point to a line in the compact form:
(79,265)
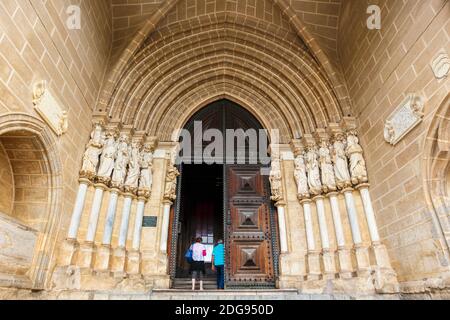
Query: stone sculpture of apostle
(93,151)
(134,168)
(107,158)
(301,177)
(121,163)
(358,169)
(340,161)
(313,169)
(276,181)
(146,164)
(326,166)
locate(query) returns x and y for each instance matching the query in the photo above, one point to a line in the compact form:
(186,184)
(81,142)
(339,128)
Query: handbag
(188,255)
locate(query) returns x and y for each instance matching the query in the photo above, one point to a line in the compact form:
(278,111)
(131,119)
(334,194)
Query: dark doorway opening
(201,211)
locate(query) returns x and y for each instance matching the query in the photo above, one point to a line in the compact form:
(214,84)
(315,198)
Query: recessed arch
(244,60)
(27,136)
(128,87)
(436,169)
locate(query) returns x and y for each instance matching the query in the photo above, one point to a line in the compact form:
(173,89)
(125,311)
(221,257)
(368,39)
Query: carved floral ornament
(120,159)
(441,65)
(404,119)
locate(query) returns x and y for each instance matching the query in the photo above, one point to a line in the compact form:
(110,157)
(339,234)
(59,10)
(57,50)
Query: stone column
(281,209)
(119,255)
(85,256)
(169,197)
(134,255)
(314,272)
(167,204)
(78,209)
(327,254)
(104,251)
(362,254)
(70,245)
(344,254)
(380,252)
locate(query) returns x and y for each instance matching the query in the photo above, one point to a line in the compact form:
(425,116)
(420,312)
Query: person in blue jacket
(218,264)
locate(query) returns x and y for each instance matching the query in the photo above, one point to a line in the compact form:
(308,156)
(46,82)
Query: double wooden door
(251,238)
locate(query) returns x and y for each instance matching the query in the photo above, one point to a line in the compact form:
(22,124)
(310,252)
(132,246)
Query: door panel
(249,242)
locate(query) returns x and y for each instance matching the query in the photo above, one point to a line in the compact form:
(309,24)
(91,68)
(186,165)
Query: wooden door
(250,262)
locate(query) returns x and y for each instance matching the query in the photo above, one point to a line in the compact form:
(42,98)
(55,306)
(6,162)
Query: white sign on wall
(49,108)
(405,118)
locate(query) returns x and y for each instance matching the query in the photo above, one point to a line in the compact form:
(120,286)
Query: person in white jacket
(198,263)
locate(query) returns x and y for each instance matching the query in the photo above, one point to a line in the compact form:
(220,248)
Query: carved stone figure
(358,168)
(107,158)
(121,163)
(276,181)
(312,166)
(171,183)
(341,172)
(301,178)
(326,166)
(146,164)
(92,154)
(134,168)
(389,132)
(63,124)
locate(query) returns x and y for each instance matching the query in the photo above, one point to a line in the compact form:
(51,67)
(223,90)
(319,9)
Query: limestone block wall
(6,184)
(36,45)
(382,68)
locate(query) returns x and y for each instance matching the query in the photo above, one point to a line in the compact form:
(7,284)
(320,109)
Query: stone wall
(382,68)
(36,45)
(6,184)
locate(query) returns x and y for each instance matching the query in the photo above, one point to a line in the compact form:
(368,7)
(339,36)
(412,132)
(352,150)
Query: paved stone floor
(268,295)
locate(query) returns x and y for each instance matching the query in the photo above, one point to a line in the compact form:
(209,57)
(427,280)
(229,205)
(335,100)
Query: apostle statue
(358,168)
(301,178)
(146,164)
(313,169)
(121,163)
(276,181)
(134,168)
(171,183)
(107,158)
(326,166)
(92,154)
(340,161)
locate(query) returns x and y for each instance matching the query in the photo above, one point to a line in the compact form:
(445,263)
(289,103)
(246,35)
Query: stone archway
(436,167)
(31,201)
(226,198)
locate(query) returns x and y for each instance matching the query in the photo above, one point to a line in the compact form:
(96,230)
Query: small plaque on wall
(150,222)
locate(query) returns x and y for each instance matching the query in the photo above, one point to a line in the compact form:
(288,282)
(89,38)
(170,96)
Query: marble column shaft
(78,210)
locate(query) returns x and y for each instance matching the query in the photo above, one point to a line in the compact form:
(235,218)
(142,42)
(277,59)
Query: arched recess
(30,227)
(436,167)
(331,81)
(227,55)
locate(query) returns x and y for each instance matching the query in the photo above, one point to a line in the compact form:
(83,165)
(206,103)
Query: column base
(118,262)
(362,261)
(345,263)
(85,256)
(314,271)
(329,265)
(67,252)
(385,278)
(103,259)
(133,265)
(381,256)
